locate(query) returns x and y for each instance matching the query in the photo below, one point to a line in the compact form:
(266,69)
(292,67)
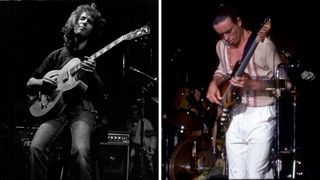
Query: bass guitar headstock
(265,29)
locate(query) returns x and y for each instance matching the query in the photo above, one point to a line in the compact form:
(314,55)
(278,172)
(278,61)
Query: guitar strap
(250,41)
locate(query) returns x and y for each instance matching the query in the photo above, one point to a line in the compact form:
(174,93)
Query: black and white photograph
(80,90)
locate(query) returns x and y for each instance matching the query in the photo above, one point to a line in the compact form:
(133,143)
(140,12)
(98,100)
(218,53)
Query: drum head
(183,166)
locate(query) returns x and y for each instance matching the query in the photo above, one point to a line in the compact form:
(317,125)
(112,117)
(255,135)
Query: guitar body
(230,94)
(68,84)
(231,97)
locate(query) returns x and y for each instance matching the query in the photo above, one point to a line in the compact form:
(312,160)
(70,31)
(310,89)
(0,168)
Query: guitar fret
(106,48)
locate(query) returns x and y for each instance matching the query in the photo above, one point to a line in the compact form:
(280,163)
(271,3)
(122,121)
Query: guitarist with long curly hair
(69,88)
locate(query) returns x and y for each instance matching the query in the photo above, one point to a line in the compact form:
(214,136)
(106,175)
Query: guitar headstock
(137,33)
(262,34)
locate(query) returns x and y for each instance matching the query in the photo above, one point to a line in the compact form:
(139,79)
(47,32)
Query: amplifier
(121,138)
(113,152)
(25,135)
(114,156)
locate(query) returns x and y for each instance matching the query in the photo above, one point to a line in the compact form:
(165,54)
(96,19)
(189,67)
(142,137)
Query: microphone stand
(144,89)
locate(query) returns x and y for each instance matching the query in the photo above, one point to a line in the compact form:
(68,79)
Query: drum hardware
(218,138)
(144,90)
(189,110)
(185,159)
(194,154)
(199,156)
(276,91)
(194,157)
(144,74)
(280,85)
(295,162)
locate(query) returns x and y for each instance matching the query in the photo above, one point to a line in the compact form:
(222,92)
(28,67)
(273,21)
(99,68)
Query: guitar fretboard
(106,48)
(247,57)
(137,33)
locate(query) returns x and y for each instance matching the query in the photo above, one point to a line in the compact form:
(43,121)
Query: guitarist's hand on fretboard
(88,68)
(240,82)
(88,65)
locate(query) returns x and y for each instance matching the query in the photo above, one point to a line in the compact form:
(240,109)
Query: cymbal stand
(281,85)
(278,160)
(144,89)
(294,161)
(142,112)
(294,66)
(280,76)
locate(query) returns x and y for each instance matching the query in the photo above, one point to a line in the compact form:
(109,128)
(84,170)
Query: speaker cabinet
(114,156)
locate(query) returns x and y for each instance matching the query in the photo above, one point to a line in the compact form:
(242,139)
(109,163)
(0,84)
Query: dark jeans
(79,120)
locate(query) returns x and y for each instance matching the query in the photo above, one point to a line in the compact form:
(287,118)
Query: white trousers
(248,142)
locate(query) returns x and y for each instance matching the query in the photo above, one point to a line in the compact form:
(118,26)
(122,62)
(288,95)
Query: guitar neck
(131,35)
(106,48)
(247,57)
(241,68)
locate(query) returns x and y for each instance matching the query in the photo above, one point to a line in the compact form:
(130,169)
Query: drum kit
(196,138)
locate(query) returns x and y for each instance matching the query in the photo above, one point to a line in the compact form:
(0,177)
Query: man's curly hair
(68,28)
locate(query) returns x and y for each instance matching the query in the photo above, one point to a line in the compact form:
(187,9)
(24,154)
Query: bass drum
(183,166)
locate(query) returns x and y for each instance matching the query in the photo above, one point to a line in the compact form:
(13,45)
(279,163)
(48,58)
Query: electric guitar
(68,82)
(231,94)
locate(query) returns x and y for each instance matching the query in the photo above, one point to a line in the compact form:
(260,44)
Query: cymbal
(184,119)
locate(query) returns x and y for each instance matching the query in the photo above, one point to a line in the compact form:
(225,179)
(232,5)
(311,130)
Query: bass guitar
(231,94)
(68,82)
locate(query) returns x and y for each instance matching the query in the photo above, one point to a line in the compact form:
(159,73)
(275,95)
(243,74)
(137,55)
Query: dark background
(189,58)
(30,30)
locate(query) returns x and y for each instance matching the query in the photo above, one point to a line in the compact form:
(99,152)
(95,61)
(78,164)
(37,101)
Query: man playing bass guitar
(250,133)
